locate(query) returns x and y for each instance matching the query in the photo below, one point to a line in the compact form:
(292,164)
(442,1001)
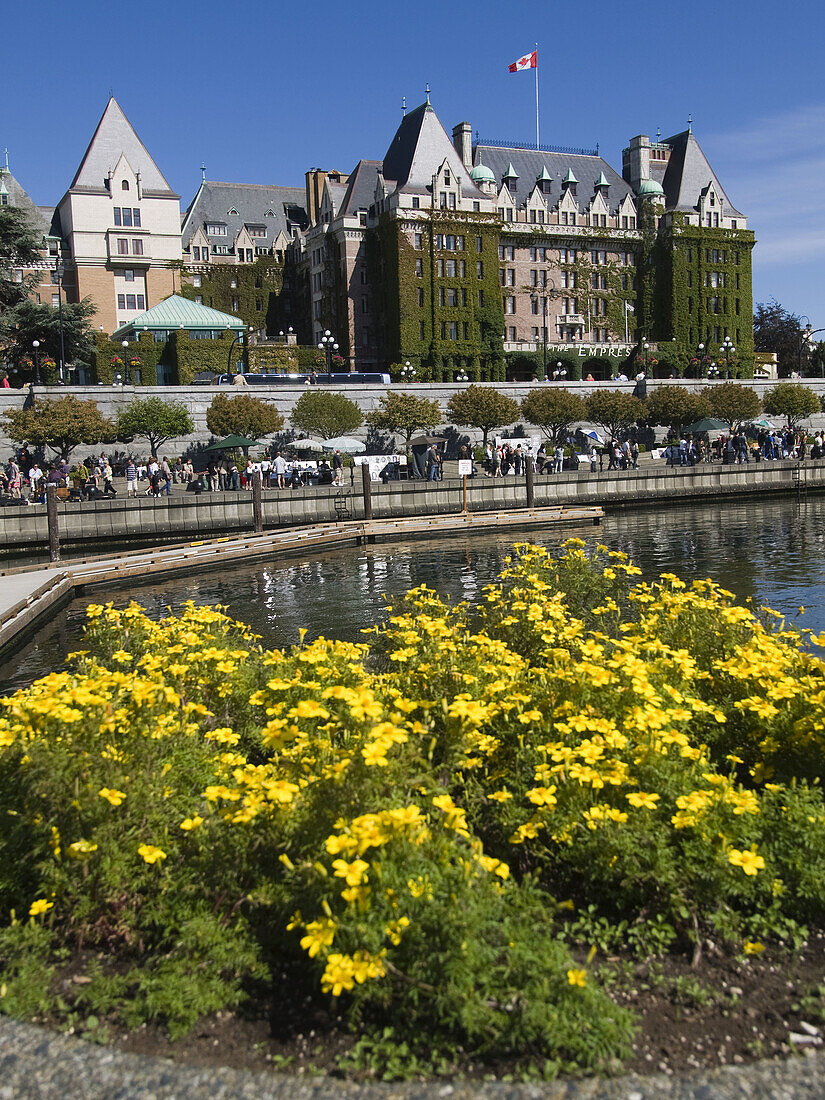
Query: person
(432,460)
(166,477)
(14,479)
(324,474)
(634,454)
(234,477)
(108,484)
(338,468)
(154,479)
(29,401)
(558,459)
(5,383)
(36,482)
(131,479)
(594,458)
(239,380)
(279,468)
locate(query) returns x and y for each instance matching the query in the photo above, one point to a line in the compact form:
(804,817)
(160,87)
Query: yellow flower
(190,823)
(150,853)
(81,848)
(352,873)
(643,801)
(40,906)
(750,947)
(577,977)
(320,934)
(114,797)
(750,862)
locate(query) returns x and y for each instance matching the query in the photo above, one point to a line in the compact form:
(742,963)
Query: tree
(776,329)
(553,410)
(613,410)
(732,403)
(483,408)
(19,248)
(326,414)
(156,420)
(675,407)
(30,321)
(791,400)
(405,412)
(242,415)
(60,424)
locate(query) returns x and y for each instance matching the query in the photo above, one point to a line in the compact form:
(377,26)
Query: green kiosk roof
(178,312)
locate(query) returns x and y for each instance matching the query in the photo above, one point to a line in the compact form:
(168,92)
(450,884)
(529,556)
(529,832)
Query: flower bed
(438,828)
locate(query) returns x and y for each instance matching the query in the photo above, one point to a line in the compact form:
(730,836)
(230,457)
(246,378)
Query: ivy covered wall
(258,296)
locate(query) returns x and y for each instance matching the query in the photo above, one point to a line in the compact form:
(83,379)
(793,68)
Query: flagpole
(537,95)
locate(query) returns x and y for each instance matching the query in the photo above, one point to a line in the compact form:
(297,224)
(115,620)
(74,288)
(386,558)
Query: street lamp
(727,350)
(700,366)
(239,335)
(534,298)
(646,348)
(58,270)
(408,372)
(36,346)
(713,370)
(462,376)
(559,374)
(806,344)
(329,347)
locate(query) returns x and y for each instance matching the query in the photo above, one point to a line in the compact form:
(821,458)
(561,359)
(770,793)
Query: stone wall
(189,517)
(197,399)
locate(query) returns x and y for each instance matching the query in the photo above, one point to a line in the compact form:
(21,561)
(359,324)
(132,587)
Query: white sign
(377,463)
(529,443)
(465,467)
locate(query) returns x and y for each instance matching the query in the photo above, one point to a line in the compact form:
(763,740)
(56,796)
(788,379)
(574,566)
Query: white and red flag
(529,61)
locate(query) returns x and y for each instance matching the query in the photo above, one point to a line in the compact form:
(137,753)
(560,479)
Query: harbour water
(770,551)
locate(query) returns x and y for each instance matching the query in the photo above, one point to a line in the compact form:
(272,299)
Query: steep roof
(177,312)
(274,208)
(114,137)
(534,164)
(360,192)
(687,174)
(41,216)
(418,150)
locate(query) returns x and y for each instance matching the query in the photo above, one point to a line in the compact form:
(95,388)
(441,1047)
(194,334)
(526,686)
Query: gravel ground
(38,1065)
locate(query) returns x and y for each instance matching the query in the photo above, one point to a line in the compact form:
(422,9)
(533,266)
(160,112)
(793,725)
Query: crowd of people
(769,446)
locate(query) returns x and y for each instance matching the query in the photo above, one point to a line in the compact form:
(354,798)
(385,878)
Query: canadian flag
(529,61)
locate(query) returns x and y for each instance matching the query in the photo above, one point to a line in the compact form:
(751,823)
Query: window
(233,282)
(421,295)
(141,301)
(509,304)
(258,282)
(259,305)
(204,254)
(479,244)
(450,269)
(131,301)
(453,330)
(122,247)
(419,240)
(55,299)
(216,229)
(199,299)
(480,269)
(121,301)
(117,216)
(420,330)
(511,276)
(124,185)
(452,297)
(416,202)
(196,252)
(137,248)
(512,334)
(256,230)
(419,268)
(480,299)
(364,307)
(196,280)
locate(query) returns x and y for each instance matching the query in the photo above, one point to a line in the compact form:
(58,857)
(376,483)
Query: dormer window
(269,214)
(232,211)
(712,199)
(125,185)
(446,177)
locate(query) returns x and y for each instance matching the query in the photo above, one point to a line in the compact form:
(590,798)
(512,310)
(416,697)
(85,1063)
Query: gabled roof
(687,174)
(534,164)
(360,192)
(178,312)
(418,150)
(113,138)
(259,204)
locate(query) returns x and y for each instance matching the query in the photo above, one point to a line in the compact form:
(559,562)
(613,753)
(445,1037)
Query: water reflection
(771,551)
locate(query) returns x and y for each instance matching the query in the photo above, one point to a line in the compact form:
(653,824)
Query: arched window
(125,185)
(232,211)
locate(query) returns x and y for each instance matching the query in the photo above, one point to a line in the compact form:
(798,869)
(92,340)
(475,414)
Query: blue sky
(260,92)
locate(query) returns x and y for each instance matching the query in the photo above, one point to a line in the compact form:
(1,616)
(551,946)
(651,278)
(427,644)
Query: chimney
(636,161)
(463,142)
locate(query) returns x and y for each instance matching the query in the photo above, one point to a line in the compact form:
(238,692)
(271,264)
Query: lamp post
(727,350)
(534,298)
(806,344)
(58,270)
(713,370)
(328,346)
(700,353)
(36,346)
(646,349)
(559,373)
(239,335)
(408,372)
(462,376)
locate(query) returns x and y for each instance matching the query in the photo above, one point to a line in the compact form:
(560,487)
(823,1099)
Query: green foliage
(155,420)
(29,321)
(793,401)
(733,403)
(19,248)
(405,413)
(320,412)
(242,415)
(777,329)
(257,290)
(613,410)
(675,407)
(483,408)
(553,410)
(62,424)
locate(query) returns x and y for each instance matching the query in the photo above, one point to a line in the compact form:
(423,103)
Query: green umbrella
(708,424)
(231,442)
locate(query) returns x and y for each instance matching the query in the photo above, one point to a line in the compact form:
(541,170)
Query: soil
(727,1010)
